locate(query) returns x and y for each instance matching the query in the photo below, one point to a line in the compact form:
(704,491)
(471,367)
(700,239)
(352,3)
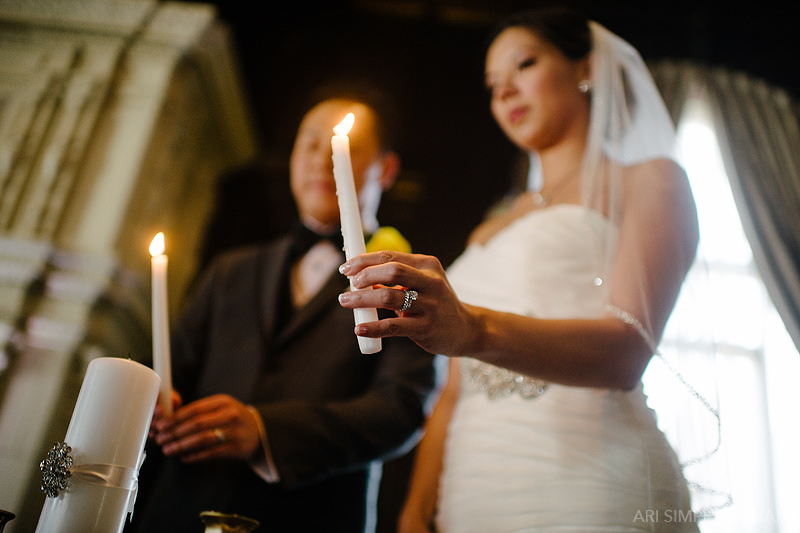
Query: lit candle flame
(157,246)
(343,128)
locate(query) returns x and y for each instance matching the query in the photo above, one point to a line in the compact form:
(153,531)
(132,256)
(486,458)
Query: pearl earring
(585,86)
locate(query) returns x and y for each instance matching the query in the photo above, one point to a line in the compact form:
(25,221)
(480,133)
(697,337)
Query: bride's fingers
(387,274)
(401,300)
(388,268)
(389,327)
(359,262)
(398,274)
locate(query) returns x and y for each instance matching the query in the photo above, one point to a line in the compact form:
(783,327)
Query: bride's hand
(436,320)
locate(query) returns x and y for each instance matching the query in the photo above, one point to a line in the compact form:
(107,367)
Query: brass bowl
(228,523)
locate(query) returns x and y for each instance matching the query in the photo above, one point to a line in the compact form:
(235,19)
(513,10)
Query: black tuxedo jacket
(329,410)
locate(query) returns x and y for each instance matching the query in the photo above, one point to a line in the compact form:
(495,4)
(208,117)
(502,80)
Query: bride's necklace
(541,199)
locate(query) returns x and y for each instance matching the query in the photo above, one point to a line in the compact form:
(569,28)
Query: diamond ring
(410,298)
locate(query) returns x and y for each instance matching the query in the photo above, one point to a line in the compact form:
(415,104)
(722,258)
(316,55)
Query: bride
(554,310)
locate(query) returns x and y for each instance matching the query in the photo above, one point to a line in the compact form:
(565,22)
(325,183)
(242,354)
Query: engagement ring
(411,297)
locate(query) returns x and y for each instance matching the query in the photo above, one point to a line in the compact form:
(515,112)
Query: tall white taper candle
(161,353)
(350,215)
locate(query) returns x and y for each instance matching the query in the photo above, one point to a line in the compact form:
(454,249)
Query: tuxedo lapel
(324,299)
(273,272)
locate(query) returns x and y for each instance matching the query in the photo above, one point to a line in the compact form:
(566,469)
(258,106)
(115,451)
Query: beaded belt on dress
(499,382)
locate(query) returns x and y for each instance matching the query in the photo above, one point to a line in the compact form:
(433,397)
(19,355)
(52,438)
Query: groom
(278,414)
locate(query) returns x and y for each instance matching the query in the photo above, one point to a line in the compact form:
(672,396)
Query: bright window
(756,364)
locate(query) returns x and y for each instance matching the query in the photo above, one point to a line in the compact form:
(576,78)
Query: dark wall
(456,162)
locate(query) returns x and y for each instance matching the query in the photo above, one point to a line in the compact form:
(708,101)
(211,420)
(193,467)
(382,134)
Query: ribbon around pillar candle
(57,470)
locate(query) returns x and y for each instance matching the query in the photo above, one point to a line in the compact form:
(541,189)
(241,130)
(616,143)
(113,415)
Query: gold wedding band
(220,435)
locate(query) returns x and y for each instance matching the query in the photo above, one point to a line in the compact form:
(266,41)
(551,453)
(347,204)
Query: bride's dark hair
(566,29)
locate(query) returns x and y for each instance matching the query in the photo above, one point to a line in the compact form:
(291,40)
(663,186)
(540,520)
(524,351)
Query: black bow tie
(304,238)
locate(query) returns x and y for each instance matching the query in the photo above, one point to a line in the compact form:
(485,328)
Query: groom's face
(311,166)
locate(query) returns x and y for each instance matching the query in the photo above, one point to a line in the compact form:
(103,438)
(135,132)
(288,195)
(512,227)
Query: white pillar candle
(107,434)
(350,215)
(161,353)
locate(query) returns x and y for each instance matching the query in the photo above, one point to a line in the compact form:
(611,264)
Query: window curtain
(758,128)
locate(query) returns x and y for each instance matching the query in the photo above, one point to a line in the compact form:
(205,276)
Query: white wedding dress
(571,459)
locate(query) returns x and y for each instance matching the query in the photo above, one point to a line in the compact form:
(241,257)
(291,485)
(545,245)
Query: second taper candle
(350,215)
(161,352)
